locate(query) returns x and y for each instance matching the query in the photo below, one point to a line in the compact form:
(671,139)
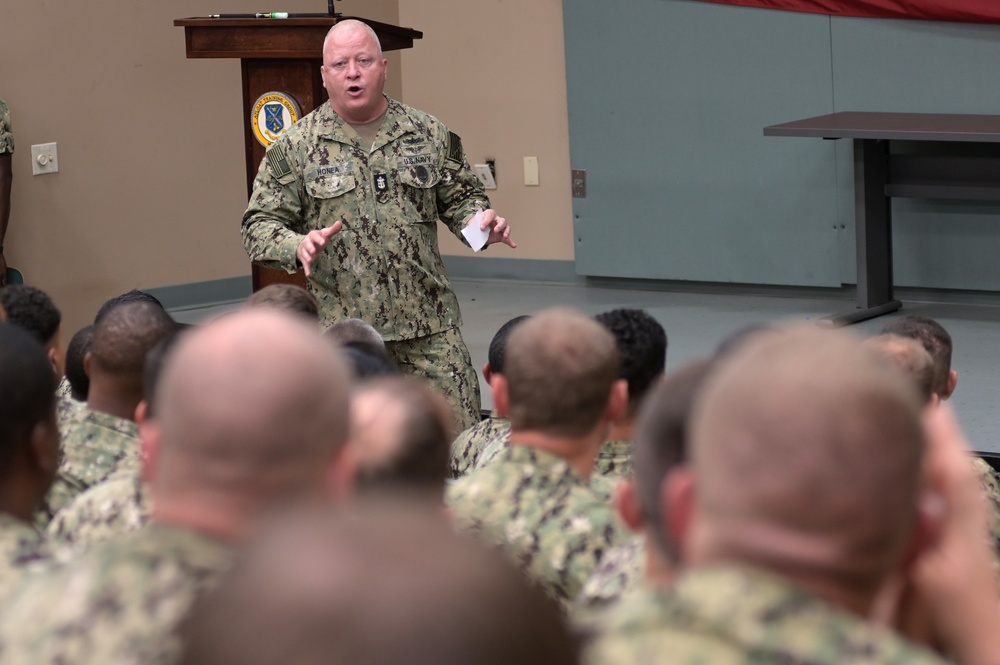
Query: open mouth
(354,90)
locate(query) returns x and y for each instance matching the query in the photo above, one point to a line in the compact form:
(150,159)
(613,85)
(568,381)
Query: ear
(86,364)
(501,395)
(627,504)
(341,474)
(929,528)
(141,411)
(952,384)
(487,371)
(150,435)
(618,401)
(677,494)
(44,447)
(52,353)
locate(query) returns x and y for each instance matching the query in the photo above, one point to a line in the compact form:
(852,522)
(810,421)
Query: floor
(696,321)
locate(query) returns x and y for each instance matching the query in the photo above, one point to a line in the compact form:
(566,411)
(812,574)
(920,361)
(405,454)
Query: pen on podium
(257,15)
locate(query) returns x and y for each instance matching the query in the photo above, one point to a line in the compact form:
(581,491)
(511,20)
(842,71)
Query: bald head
(352,28)
(253,405)
(401,433)
(806,451)
(560,366)
(381,587)
(909,357)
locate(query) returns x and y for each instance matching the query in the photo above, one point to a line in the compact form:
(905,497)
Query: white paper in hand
(477,238)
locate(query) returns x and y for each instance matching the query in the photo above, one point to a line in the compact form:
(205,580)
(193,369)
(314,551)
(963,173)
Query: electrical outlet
(485,175)
(44,159)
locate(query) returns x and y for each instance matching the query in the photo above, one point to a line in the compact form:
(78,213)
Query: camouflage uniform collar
(763,613)
(616,448)
(10,524)
(106,420)
(395,123)
(553,465)
(197,546)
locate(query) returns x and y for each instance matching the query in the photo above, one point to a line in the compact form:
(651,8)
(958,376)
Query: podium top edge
(378,26)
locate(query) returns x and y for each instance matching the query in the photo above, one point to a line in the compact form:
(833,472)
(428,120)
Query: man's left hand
(499,231)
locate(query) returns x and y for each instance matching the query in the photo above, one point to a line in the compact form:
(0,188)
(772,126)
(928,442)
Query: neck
(363,117)
(225,523)
(580,452)
(18,498)
(622,431)
(658,569)
(106,396)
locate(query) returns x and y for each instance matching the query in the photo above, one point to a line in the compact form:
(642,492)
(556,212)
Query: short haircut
(560,368)
(366,363)
(661,444)
(135,295)
(27,390)
(934,338)
(76,351)
(498,345)
(31,309)
(779,431)
(410,452)
(125,335)
(287,298)
(355,331)
(642,349)
(908,356)
(376,585)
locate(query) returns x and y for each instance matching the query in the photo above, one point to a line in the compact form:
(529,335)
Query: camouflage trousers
(444,359)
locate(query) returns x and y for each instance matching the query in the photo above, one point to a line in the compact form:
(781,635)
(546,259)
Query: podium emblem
(272,114)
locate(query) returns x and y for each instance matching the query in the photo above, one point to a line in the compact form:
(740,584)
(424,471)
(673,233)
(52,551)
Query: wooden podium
(276,54)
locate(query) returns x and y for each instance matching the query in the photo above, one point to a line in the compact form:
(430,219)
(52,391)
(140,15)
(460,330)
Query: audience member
(642,350)
(780,564)
(102,437)
(252,415)
(29,449)
(287,298)
(400,433)
(32,309)
(135,295)
(120,503)
(356,332)
(561,392)
(470,444)
(936,340)
(72,391)
(660,446)
(388,586)
(910,358)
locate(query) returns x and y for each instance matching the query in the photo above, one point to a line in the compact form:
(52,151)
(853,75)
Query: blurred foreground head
(386,585)
(806,452)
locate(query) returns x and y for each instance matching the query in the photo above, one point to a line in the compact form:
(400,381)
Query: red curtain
(969,11)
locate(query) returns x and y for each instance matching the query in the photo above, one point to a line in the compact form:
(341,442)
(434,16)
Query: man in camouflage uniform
(471,443)
(215,468)
(108,509)
(102,437)
(6,179)
(352,194)
(660,447)
(561,392)
(780,565)
(29,450)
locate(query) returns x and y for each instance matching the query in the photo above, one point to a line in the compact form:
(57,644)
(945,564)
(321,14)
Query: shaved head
(125,335)
(807,452)
(352,26)
(560,366)
(254,405)
(383,586)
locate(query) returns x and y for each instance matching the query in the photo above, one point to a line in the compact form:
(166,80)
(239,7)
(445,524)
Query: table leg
(873,229)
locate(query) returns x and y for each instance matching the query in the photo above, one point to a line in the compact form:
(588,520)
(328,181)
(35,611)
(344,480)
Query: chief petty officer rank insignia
(381,182)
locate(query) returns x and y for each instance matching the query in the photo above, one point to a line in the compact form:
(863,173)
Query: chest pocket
(417,183)
(329,187)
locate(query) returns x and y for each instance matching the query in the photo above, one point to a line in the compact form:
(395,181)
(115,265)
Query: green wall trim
(203,294)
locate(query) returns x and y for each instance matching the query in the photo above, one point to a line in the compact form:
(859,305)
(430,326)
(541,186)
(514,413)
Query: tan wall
(152,185)
(495,72)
